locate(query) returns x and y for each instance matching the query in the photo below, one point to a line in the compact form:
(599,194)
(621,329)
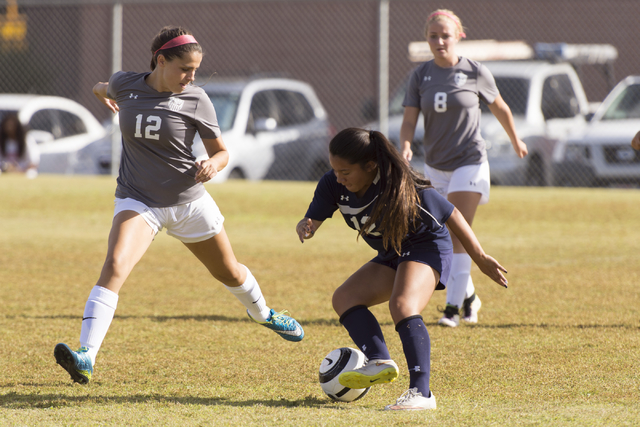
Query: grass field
(561,346)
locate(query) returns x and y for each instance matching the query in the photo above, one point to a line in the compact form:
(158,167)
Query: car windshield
(226,105)
(515,92)
(625,106)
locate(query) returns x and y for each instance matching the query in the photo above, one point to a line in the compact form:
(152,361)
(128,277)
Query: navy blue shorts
(438,260)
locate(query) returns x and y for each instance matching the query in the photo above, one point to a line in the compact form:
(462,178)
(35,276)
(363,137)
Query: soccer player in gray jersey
(448,90)
(160,185)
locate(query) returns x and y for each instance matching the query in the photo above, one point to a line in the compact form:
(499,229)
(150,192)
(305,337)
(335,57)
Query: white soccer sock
(250,295)
(470,288)
(98,314)
(458,279)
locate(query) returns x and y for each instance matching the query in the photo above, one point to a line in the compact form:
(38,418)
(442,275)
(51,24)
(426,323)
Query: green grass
(561,346)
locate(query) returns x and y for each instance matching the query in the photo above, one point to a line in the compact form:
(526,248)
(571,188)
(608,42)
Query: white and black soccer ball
(336,362)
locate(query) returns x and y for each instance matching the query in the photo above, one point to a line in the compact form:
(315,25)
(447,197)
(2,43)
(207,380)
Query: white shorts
(472,178)
(190,223)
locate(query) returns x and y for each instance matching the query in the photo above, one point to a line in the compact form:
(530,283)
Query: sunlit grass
(559,347)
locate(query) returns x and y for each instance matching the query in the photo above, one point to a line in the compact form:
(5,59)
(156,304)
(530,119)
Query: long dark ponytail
(396,211)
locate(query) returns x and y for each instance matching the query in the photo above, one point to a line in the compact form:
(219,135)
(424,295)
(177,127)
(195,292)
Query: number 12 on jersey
(154,123)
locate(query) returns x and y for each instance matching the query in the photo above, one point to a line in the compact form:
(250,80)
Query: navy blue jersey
(431,234)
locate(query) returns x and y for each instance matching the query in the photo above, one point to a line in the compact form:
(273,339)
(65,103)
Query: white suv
(274,128)
(602,155)
(64,130)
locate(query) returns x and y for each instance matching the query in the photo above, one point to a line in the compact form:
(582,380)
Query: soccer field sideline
(559,347)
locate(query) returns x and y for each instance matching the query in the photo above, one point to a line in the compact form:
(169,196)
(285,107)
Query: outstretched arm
(306,228)
(488,265)
(100,91)
(501,110)
(218,159)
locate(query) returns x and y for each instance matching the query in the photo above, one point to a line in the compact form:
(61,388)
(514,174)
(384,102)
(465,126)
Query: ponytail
(396,210)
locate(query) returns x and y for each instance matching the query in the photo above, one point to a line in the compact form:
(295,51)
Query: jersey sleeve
(487,89)
(206,118)
(115,83)
(435,208)
(412,96)
(324,203)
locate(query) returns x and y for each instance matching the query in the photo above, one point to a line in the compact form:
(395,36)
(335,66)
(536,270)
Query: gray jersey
(449,100)
(157,166)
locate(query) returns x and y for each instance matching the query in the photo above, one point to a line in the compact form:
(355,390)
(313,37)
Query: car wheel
(535,171)
(236,174)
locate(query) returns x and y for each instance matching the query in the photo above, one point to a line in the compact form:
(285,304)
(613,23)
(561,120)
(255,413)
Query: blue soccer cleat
(282,324)
(76,363)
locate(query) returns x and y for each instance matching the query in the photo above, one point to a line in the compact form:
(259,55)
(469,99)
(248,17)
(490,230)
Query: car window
(226,105)
(70,124)
(294,108)
(559,101)
(263,106)
(515,92)
(625,106)
(45,120)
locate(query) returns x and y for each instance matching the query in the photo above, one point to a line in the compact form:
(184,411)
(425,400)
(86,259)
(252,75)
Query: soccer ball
(336,362)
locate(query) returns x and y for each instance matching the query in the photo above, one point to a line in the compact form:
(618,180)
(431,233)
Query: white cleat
(376,371)
(471,306)
(413,400)
(451,317)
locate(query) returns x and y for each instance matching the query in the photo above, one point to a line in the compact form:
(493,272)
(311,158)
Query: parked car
(63,129)
(548,103)
(602,155)
(546,97)
(274,128)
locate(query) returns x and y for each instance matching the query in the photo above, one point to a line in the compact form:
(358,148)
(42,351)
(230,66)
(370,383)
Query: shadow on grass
(13,400)
(335,322)
(550,326)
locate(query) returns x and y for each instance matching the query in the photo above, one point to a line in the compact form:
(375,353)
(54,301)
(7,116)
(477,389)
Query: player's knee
(117,266)
(400,307)
(342,300)
(231,275)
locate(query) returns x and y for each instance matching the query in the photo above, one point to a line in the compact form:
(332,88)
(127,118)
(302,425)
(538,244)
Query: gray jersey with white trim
(449,100)
(157,166)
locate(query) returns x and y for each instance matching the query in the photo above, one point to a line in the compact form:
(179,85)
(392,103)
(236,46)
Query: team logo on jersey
(175,104)
(132,96)
(460,78)
(426,79)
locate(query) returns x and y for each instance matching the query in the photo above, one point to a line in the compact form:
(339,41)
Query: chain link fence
(357,55)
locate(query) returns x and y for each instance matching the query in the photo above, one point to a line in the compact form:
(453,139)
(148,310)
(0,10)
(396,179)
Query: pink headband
(177,41)
(450,16)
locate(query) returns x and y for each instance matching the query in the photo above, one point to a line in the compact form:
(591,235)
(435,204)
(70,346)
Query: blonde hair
(442,15)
